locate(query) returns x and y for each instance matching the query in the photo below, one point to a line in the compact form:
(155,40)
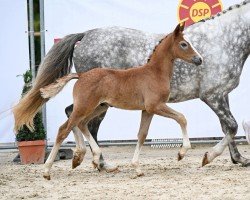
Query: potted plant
(31,145)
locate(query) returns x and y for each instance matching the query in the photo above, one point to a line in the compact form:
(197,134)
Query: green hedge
(39,133)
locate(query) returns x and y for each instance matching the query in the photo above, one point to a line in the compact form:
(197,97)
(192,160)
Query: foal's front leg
(163,110)
(143,132)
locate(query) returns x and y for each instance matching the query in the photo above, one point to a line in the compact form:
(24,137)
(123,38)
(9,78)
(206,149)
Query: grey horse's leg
(229,126)
(93,126)
(232,146)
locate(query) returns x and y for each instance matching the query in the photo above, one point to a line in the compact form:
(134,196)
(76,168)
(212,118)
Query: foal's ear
(182,26)
(179,28)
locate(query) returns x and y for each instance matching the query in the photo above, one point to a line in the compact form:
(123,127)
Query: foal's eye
(184,45)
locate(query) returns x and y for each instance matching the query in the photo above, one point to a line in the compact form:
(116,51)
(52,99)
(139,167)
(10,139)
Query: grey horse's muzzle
(197,60)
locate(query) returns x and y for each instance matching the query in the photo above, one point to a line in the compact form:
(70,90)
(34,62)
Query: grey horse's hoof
(247,164)
(99,166)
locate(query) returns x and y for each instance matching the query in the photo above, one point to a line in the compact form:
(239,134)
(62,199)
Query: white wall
(63,17)
(14,56)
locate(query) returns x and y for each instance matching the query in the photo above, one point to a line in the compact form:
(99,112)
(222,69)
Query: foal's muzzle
(197,60)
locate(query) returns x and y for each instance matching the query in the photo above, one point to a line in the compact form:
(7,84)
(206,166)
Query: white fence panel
(14,56)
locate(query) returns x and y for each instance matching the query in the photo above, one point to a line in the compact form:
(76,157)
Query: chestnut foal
(145,88)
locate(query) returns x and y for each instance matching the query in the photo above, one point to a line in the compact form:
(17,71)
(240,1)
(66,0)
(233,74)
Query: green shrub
(39,133)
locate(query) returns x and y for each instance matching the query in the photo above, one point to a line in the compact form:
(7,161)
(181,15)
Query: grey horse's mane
(225,11)
(209,18)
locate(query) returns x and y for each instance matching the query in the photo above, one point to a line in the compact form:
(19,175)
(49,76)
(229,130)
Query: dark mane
(156,47)
(225,11)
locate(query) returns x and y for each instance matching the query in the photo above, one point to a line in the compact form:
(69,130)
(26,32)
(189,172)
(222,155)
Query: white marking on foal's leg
(49,162)
(186,144)
(143,132)
(80,150)
(95,148)
(216,150)
(135,160)
(63,132)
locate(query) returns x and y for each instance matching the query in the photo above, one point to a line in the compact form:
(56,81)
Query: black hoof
(234,161)
(246,164)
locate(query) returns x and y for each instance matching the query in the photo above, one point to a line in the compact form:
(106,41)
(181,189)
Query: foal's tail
(53,89)
(57,63)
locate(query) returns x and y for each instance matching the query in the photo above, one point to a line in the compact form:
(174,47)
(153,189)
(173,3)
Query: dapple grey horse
(223,41)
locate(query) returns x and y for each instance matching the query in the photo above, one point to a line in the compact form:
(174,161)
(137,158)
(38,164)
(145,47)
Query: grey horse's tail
(56,64)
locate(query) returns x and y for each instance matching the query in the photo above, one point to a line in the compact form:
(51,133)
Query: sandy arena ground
(165,177)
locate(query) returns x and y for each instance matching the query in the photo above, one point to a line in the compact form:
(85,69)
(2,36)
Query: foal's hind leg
(101,165)
(80,150)
(95,148)
(143,132)
(63,132)
(98,111)
(163,110)
(93,127)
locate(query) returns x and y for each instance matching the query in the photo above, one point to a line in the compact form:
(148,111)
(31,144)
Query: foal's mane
(156,47)
(225,11)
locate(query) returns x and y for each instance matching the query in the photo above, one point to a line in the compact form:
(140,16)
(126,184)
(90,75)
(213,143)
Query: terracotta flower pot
(32,151)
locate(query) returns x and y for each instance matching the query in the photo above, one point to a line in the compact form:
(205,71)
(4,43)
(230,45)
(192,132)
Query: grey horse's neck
(232,38)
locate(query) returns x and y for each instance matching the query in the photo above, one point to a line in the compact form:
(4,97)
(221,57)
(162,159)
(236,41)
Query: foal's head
(183,49)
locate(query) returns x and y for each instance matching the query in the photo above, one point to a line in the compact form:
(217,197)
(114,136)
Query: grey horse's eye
(183,45)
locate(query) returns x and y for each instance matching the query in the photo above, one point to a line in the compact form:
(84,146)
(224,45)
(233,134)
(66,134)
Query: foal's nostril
(200,61)
(197,60)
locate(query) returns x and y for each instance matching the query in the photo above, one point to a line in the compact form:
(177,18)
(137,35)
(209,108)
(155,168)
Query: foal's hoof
(94,164)
(75,164)
(76,161)
(46,177)
(110,168)
(180,156)
(135,176)
(77,157)
(205,159)
(139,174)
